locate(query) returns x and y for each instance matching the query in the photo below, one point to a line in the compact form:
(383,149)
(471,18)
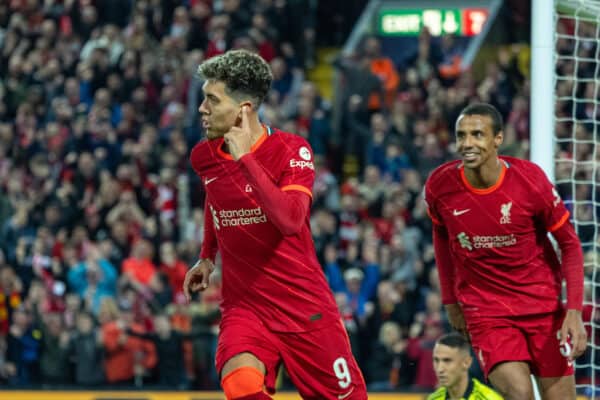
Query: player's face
(476,141)
(450,364)
(219,111)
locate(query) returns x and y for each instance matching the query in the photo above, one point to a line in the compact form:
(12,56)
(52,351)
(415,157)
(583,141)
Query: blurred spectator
(23,349)
(127,359)
(356,282)
(10,297)
(169,350)
(387,366)
(139,268)
(422,336)
(173,268)
(384,69)
(86,351)
(54,358)
(93,279)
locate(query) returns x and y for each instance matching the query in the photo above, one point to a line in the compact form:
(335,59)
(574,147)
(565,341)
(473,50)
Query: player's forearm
(286,210)
(572,264)
(443,260)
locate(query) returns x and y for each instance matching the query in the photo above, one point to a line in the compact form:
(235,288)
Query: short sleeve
(299,169)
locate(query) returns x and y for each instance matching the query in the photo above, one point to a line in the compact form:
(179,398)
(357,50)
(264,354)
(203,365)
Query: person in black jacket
(387,363)
(169,349)
(87,352)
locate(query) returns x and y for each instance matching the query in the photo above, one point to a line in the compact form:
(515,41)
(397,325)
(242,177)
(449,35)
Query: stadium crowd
(101,214)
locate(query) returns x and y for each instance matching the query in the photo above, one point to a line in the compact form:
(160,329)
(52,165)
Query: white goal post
(565,138)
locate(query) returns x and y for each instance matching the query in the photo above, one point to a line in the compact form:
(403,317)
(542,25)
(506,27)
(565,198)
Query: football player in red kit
(277,306)
(499,274)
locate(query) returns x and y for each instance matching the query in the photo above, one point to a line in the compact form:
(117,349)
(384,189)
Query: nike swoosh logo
(343,396)
(207,181)
(456,213)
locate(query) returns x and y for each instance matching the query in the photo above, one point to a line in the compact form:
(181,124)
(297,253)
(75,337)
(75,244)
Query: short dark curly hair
(485,109)
(246,75)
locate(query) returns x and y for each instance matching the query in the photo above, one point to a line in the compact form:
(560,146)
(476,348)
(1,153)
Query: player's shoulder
(525,167)
(442,173)
(292,145)
(485,391)
(199,147)
(439,394)
(292,139)
(202,152)
(520,163)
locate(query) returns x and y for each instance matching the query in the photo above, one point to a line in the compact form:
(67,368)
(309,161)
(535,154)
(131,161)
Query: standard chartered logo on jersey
(237,217)
(464,241)
(485,242)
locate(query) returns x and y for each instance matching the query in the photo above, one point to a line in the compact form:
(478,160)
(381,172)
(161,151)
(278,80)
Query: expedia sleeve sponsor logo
(238,217)
(301,164)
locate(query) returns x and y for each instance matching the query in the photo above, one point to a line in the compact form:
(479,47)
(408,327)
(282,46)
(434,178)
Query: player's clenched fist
(196,279)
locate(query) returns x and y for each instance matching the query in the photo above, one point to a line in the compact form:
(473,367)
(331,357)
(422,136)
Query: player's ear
(467,361)
(499,138)
(243,104)
(248,104)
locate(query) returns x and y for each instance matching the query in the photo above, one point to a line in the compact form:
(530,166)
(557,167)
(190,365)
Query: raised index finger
(245,118)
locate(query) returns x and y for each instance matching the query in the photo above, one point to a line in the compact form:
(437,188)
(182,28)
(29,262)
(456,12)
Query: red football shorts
(531,339)
(319,362)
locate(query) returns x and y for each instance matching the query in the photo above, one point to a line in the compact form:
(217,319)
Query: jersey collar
(267,131)
(467,392)
(492,188)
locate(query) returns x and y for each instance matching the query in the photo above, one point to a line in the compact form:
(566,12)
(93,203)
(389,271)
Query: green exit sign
(410,22)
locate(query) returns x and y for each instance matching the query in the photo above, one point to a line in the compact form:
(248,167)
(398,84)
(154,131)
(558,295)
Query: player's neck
(456,392)
(486,175)
(257,130)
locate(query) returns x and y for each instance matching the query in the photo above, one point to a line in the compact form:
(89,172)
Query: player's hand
(456,318)
(196,279)
(573,327)
(239,138)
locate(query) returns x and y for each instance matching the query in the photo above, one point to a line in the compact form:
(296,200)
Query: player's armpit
(571,265)
(443,260)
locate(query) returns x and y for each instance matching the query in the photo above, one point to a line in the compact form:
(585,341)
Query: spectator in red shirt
(139,266)
(173,268)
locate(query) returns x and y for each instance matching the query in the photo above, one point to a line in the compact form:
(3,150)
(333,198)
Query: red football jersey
(277,277)
(504,263)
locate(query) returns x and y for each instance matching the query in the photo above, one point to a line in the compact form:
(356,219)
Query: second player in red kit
(277,306)
(500,276)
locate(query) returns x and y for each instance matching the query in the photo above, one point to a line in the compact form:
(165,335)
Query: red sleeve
(429,203)
(572,264)
(286,207)
(551,209)
(443,260)
(209,244)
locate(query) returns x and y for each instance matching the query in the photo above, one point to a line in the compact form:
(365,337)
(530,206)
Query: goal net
(577,155)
